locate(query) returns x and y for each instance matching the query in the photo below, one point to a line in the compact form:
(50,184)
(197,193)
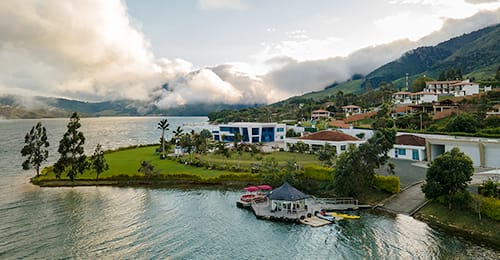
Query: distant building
(402,97)
(456,88)
(320,114)
(351,110)
(250,132)
(423,97)
(338,140)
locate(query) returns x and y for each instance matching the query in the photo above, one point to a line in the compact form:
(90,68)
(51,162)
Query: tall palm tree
(163,125)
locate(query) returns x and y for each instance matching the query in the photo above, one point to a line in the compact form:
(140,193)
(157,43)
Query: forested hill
(471,53)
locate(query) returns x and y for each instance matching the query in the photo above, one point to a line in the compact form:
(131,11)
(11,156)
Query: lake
(114,222)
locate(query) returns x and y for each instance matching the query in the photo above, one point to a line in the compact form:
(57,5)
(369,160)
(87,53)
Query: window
(280,129)
(255,131)
(342,147)
(401,151)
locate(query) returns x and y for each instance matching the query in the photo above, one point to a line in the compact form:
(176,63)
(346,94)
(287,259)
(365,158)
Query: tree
(147,169)
(73,159)
(448,175)
(163,125)
(442,75)
(419,84)
(462,123)
(354,171)
(98,162)
(497,75)
(326,154)
(35,148)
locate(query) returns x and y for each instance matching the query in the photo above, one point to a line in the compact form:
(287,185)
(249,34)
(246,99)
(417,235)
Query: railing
(336,201)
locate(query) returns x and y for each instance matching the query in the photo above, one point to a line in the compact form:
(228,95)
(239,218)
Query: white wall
(409,152)
(470,149)
(492,155)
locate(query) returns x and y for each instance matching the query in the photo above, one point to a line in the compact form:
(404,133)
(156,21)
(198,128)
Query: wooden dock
(314,221)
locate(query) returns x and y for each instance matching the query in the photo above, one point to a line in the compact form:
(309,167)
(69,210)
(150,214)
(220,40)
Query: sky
(176,52)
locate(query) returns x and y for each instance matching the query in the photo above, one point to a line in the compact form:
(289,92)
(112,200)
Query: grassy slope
(462,221)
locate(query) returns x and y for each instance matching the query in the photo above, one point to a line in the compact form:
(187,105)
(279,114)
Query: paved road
(407,171)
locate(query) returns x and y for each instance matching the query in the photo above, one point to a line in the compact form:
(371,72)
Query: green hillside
(475,54)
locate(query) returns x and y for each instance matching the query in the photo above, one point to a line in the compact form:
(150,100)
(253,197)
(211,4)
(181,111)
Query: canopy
(286,192)
(264,187)
(251,188)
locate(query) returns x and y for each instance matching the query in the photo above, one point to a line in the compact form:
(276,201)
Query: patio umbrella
(264,187)
(251,188)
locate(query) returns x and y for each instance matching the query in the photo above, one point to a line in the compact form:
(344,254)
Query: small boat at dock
(253,194)
(323,215)
(343,215)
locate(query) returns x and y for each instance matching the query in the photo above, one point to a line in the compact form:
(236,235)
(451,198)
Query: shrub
(388,183)
(318,173)
(490,207)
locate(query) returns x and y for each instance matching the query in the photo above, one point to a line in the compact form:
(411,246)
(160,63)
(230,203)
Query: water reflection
(112,222)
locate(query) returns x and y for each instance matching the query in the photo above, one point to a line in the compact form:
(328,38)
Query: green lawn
(127,162)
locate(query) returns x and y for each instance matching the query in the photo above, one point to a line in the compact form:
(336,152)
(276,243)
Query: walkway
(405,202)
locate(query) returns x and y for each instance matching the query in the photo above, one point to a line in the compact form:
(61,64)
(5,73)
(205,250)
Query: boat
(344,216)
(323,215)
(253,194)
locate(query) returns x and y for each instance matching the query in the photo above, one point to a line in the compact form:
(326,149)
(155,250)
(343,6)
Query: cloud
(90,50)
(221,4)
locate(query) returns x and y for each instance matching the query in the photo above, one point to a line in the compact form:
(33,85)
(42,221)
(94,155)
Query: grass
(127,162)
(246,160)
(464,222)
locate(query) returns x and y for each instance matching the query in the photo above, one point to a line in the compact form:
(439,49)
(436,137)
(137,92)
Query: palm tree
(163,125)
(178,133)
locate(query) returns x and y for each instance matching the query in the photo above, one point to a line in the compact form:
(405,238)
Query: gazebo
(288,199)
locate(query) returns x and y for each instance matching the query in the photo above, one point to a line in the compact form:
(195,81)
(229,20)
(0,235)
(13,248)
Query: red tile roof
(328,135)
(410,140)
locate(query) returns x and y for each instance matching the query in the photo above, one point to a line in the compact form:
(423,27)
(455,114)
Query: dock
(314,221)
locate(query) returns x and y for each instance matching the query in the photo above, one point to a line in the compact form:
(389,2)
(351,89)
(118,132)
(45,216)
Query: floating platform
(314,221)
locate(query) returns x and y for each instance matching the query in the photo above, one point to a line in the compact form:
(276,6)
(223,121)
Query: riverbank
(461,222)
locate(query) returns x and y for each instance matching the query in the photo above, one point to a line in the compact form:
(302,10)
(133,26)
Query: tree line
(72,160)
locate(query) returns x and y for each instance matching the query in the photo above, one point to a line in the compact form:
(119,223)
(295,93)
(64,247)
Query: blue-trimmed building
(251,132)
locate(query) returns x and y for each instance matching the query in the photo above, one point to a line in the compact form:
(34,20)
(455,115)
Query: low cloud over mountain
(92,50)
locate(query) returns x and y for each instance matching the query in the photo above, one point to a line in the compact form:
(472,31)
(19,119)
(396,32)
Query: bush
(388,183)
(318,173)
(490,207)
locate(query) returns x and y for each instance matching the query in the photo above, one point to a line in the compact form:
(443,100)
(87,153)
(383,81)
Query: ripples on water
(112,222)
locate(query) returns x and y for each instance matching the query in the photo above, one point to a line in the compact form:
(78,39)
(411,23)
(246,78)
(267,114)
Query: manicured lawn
(246,159)
(127,162)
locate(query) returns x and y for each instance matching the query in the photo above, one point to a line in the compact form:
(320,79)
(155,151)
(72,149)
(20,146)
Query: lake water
(113,222)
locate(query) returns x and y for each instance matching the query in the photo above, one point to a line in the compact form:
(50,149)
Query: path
(405,202)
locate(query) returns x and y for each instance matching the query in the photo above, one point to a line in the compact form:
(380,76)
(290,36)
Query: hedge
(387,183)
(318,173)
(490,207)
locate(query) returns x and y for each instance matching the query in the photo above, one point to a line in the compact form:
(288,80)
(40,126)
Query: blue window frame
(415,155)
(280,129)
(401,151)
(255,131)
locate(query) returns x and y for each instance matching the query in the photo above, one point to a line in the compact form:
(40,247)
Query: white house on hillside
(409,147)
(423,97)
(456,88)
(351,110)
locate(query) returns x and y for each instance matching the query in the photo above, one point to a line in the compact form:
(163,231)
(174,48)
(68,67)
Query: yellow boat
(345,216)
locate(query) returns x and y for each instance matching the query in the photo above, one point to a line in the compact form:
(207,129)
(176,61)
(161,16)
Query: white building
(250,132)
(336,139)
(456,88)
(402,97)
(351,110)
(409,147)
(484,152)
(423,97)
(320,114)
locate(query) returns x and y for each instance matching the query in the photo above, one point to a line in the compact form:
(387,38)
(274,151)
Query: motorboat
(323,215)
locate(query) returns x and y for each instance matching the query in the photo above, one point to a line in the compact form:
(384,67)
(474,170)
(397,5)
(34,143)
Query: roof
(401,93)
(287,192)
(351,106)
(320,111)
(410,140)
(329,135)
(463,84)
(424,93)
(443,82)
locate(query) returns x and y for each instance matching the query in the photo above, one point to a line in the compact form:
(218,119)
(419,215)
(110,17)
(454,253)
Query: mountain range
(476,54)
